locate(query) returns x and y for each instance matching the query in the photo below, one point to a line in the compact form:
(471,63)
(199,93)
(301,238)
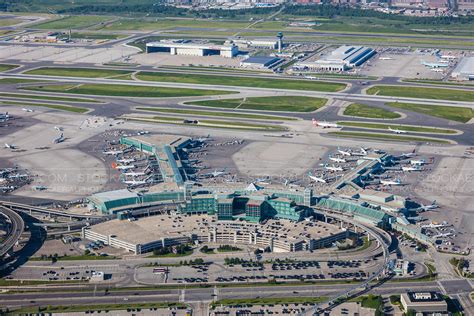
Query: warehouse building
(426,303)
(341,59)
(260,62)
(185,47)
(464,70)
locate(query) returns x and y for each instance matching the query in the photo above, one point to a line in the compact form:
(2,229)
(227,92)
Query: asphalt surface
(17,228)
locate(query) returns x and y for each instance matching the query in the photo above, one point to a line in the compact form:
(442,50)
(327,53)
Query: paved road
(17,228)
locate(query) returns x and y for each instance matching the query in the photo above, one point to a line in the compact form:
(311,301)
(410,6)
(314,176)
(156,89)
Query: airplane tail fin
(434,202)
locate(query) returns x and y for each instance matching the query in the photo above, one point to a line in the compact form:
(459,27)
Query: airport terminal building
(341,59)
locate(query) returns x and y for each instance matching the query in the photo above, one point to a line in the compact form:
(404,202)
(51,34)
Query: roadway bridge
(36,209)
(16,229)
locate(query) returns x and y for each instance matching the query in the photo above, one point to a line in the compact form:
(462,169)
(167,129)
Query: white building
(343,58)
(464,70)
(181,47)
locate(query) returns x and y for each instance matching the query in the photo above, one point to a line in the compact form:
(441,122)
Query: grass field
(217,114)
(95,307)
(363,110)
(454,113)
(285,104)
(211,123)
(243,81)
(168,24)
(73,109)
(72,22)
(126,91)
(15,81)
(5,67)
(46,97)
(96,36)
(398,138)
(77,72)
(439,82)
(408,128)
(423,93)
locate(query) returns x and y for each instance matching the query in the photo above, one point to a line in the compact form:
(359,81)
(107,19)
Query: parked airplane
(444,235)
(311,77)
(324,124)
(408,155)
(113,152)
(133,174)
(59,128)
(333,168)
(435,65)
(203,139)
(40,188)
(28,110)
(10,146)
(385,58)
(317,179)
(397,131)
(390,182)
(134,182)
(424,208)
(450,57)
(437,70)
(126,161)
(59,139)
(344,152)
(338,160)
(410,168)
(124,167)
(419,162)
(215,173)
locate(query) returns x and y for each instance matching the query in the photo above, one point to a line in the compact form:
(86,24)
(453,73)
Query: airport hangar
(184,47)
(232,206)
(341,59)
(464,70)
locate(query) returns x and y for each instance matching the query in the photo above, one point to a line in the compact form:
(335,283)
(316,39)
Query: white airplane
(397,131)
(336,159)
(126,161)
(390,182)
(344,152)
(437,70)
(59,128)
(333,168)
(424,208)
(203,139)
(408,155)
(134,182)
(385,58)
(310,77)
(125,167)
(59,139)
(410,168)
(316,179)
(143,133)
(133,174)
(10,146)
(324,124)
(419,162)
(215,173)
(28,110)
(113,152)
(448,57)
(444,235)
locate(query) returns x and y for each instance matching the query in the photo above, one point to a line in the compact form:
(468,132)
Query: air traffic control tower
(280,41)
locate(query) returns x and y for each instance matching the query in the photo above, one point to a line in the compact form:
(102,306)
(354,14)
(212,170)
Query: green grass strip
(243,81)
(363,110)
(408,128)
(67,108)
(5,67)
(282,104)
(17,80)
(454,113)
(269,300)
(46,97)
(77,72)
(127,91)
(423,93)
(388,137)
(218,114)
